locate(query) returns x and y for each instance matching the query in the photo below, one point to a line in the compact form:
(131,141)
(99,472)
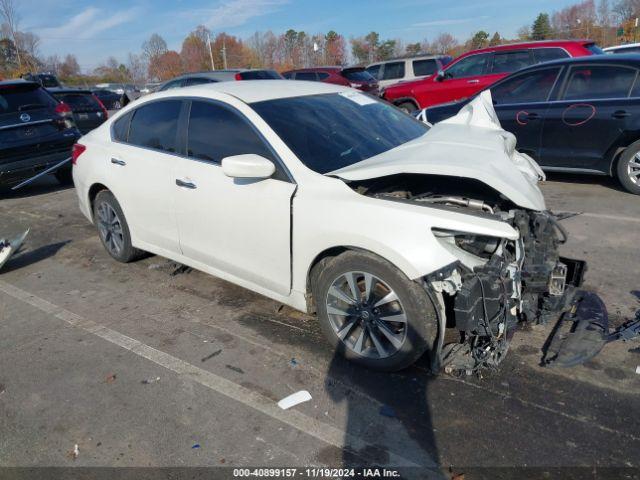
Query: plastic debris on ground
(149,381)
(387,411)
(110,378)
(195,445)
(638,369)
(294,399)
(293,362)
(210,356)
(73,453)
(10,246)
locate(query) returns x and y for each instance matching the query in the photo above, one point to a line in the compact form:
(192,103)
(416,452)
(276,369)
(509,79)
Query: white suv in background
(405,69)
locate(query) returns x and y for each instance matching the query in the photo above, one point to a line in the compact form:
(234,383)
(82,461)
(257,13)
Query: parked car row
(579,115)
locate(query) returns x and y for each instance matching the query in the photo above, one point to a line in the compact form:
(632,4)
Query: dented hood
(471,145)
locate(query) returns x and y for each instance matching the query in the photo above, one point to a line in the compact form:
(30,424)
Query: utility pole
(213,67)
(224,52)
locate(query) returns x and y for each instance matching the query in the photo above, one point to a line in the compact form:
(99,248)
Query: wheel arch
(329,253)
(93,193)
(401,100)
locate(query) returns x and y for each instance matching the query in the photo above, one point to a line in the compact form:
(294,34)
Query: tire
(64,176)
(365,341)
(407,107)
(117,239)
(628,168)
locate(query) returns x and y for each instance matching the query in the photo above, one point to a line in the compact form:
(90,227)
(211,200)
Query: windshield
(335,130)
(358,75)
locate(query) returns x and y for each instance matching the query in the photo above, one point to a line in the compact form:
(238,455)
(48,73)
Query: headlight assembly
(478,245)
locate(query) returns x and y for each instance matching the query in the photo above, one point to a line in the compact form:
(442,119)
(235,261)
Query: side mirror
(249,165)
(440,76)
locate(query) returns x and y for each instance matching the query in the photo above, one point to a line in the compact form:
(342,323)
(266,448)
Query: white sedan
(331,201)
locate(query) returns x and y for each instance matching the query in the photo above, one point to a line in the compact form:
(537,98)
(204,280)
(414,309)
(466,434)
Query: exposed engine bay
(497,283)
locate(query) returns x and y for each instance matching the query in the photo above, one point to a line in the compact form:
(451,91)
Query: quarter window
(393,71)
(505,62)
(424,67)
(547,54)
(121,128)
(216,132)
(468,67)
(155,125)
(526,88)
(600,81)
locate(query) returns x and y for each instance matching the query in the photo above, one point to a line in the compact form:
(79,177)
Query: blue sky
(95,30)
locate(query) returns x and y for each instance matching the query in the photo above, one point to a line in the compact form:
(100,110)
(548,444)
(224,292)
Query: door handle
(620,114)
(115,161)
(473,81)
(184,184)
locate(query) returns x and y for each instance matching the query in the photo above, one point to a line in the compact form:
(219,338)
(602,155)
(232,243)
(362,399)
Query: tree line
(605,22)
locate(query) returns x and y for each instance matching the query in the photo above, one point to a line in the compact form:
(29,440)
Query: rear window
(260,75)
(309,76)
(424,67)
(20,98)
(78,100)
(357,75)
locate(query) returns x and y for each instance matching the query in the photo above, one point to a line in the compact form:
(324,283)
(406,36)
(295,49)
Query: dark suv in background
(87,110)
(36,132)
(354,77)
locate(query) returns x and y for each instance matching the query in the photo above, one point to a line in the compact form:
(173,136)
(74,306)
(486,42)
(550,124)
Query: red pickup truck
(476,70)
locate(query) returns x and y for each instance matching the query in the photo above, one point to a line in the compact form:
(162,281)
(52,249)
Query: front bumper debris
(580,333)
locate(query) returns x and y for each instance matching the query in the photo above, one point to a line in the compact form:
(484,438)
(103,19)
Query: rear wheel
(628,168)
(371,313)
(113,229)
(407,107)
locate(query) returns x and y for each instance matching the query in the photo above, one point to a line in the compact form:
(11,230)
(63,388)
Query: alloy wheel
(633,169)
(366,315)
(110,228)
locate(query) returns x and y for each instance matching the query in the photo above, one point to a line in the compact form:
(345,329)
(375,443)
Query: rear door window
(526,88)
(196,81)
(322,75)
(22,98)
(547,54)
(357,75)
(470,66)
(155,125)
(511,61)
(260,75)
(424,67)
(599,81)
(393,71)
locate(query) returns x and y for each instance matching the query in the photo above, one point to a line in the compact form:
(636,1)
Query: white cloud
(87,24)
(233,13)
(448,21)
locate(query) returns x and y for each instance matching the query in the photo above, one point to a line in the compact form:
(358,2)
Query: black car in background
(36,132)
(579,115)
(111,100)
(47,80)
(87,110)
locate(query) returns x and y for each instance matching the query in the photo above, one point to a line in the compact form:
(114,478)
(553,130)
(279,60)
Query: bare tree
(11,18)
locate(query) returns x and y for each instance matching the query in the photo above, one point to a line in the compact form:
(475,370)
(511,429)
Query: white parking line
(294,418)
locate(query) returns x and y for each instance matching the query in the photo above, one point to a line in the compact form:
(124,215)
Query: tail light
(63,109)
(238,76)
(77,150)
(104,110)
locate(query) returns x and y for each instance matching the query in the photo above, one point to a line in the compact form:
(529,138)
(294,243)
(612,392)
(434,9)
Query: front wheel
(371,313)
(407,107)
(628,168)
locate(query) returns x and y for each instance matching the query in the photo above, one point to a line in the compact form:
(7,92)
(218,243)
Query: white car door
(238,226)
(141,174)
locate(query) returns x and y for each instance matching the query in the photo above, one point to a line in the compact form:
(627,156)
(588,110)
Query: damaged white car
(403,238)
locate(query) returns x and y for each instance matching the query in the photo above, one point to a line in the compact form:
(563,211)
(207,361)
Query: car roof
(250,91)
(530,44)
(318,69)
(68,90)
(19,81)
(621,47)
